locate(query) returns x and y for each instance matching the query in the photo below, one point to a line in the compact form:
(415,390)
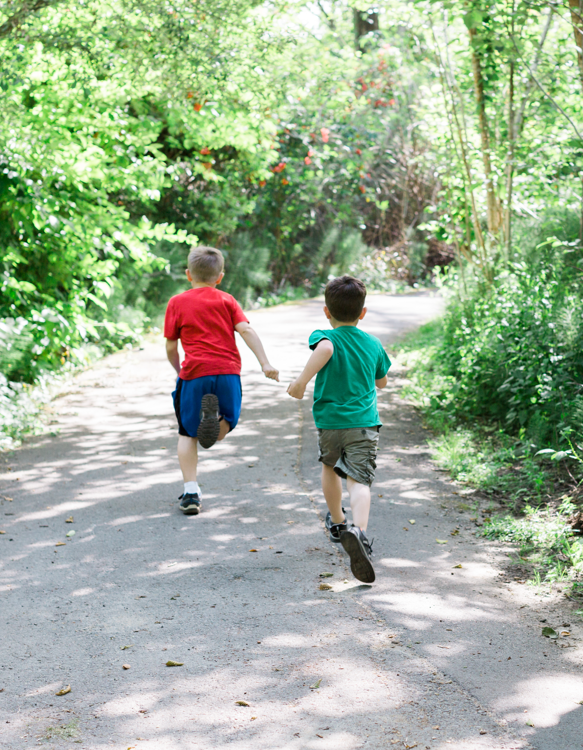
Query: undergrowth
(542,496)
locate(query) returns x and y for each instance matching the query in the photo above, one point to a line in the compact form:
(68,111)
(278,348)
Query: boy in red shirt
(207,399)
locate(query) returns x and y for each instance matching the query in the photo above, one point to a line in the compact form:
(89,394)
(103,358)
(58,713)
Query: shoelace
(368,544)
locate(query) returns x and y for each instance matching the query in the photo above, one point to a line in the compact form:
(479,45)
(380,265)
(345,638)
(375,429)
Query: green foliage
(546,542)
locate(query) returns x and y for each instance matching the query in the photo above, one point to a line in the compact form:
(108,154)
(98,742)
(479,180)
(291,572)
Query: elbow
(382,382)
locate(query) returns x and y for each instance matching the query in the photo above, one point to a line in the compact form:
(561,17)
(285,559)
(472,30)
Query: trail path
(430,656)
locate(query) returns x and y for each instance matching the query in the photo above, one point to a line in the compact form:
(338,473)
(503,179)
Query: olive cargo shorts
(351,452)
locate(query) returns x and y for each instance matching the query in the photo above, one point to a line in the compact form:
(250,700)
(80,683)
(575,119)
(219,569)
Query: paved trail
(430,656)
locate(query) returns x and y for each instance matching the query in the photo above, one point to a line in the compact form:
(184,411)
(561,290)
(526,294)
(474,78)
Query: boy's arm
(172,354)
(381,383)
(253,341)
(319,358)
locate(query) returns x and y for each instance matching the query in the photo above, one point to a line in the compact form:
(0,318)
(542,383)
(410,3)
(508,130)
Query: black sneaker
(190,505)
(209,427)
(359,549)
(335,529)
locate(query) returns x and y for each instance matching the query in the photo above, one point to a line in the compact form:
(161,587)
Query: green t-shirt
(345,394)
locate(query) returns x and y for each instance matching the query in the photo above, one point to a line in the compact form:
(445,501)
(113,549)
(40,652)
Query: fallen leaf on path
(320,736)
(316,685)
(325,587)
(529,723)
(252,550)
(291,522)
(241,703)
(380,495)
(60,544)
(436,727)
(441,541)
(141,596)
(411,521)
(123,648)
(409,747)
(9,499)
(326,575)
(405,528)
(459,565)
(2,532)
(69,520)
(483,731)
(565,633)
(549,633)
(253,718)
(455,532)
(64,691)
(70,533)
(125,666)
(171,663)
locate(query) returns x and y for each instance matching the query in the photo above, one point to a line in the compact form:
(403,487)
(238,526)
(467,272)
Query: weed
(63,731)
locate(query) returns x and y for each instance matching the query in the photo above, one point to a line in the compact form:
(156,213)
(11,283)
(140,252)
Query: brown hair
(205,263)
(345,298)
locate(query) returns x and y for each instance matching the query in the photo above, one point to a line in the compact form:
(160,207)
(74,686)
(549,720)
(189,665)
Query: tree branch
(18,18)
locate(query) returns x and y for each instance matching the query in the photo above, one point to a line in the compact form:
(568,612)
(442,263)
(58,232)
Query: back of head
(345,298)
(205,264)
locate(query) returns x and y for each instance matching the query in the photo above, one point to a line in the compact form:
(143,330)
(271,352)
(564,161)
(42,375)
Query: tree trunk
(493,217)
(577,21)
(365,21)
(509,165)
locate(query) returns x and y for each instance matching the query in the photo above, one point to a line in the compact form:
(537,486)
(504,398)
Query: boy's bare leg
(188,457)
(359,502)
(332,489)
(224,430)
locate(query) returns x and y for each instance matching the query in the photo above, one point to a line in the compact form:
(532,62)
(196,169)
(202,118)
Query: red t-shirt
(204,320)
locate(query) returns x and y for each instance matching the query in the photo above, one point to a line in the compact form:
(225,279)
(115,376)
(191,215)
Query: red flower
(358,151)
(361,188)
(262,183)
(307,160)
(285,182)
(205,151)
(325,134)
(310,152)
(279,167)
(207,164)
(392,102)
(198,106)
(189,95)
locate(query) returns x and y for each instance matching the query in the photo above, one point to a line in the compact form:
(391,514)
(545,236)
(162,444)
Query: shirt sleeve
(171,327)
(383,364)
(316,337)
(237,314)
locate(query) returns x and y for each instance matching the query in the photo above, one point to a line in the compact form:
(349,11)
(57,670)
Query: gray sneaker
(359,549)
(209,427)
(335,529)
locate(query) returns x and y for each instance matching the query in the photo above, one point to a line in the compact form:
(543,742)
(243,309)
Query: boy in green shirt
(350,364)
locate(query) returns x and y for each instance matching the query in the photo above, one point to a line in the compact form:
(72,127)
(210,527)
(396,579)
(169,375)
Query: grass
(63,731)
(540,494)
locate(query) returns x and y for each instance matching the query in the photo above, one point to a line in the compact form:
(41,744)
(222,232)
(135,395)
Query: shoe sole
(360,565)
(191,510)
(209,427)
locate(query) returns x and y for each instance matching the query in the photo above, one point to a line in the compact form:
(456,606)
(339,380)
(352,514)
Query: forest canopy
(404,142)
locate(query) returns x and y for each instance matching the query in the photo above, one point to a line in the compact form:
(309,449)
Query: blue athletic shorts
(188,397)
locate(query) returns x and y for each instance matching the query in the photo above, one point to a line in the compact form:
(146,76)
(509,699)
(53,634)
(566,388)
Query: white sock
(191,488)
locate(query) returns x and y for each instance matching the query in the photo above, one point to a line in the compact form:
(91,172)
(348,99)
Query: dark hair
(345,298)
(205,263)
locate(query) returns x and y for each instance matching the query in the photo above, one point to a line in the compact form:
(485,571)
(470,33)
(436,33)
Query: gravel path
(431,656)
